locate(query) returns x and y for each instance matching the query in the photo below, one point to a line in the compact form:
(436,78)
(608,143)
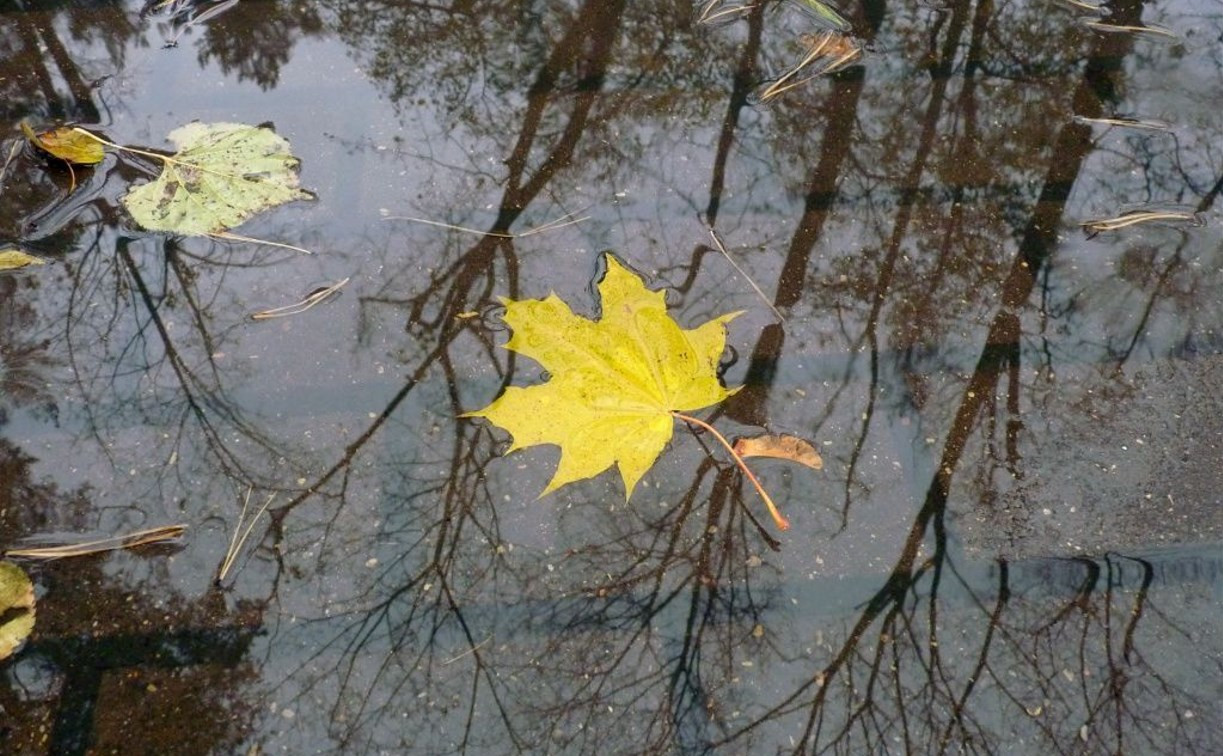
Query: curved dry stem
(777,516)
(100,140)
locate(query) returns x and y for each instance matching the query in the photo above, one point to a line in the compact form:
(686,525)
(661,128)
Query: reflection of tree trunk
(747,406)
(36,39)
(586,46)
(82,94)
(745,76)
(28,33)
(1071,147)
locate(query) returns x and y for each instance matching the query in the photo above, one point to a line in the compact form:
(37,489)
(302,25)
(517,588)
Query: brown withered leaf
(792,448)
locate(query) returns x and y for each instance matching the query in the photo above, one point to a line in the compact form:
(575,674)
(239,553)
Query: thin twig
(469,651)
(236,543)
(549,226)
(781,521)
(113,543)
(231,236)
(552,225)
(717,240)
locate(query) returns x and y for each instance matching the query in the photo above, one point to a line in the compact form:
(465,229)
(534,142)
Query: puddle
(1012,543)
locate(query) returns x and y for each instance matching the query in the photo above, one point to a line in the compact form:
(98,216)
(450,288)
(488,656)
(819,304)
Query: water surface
(1013,545)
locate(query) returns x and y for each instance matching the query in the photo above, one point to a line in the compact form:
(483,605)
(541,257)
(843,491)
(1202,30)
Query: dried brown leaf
(791,448)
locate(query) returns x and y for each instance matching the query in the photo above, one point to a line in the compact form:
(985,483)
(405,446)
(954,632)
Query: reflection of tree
(43,76)
(149,423)
(23,360)
(254,40)
(639,632)
(414,594)
(74,690)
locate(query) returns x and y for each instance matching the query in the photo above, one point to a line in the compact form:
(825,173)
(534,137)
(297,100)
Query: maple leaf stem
(777,516)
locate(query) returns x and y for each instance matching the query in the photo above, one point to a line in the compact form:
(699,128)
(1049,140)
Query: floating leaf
(792,448)
(222,174)
(615,383)
(66,143)
(16,608)
(14,259)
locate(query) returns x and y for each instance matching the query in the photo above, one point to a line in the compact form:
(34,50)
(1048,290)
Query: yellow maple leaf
(615,382)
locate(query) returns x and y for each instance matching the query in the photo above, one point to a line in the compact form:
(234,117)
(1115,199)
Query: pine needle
(552,225)
(230,236)
(237,542)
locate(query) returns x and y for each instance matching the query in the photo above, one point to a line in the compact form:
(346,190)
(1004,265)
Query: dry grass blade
(715,13)
(114,543)
(469,651)
(717,240)
(1125,122)
(565,220)
(1136,217)
(310,300)
(239,538)
(836,50)
(1151,29)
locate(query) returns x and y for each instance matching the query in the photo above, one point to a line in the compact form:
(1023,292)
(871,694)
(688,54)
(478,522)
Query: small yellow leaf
(614,381)
(66,143)
(792,448)
(13,259)
(16,608)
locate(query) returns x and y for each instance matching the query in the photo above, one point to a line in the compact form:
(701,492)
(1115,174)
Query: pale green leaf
(16,608)
(614,381)
(222,174)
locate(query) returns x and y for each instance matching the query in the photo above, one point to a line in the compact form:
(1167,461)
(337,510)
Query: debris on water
(320,294)
(1127,122)
(826,53)
(159,535)
(1139,216)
